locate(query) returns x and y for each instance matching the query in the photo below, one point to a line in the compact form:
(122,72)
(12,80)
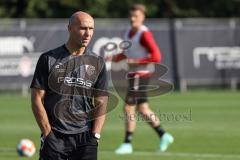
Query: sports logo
(90,70)
(78,80)
(59,67)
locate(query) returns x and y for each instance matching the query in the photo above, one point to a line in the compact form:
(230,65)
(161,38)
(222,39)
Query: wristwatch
(96,135)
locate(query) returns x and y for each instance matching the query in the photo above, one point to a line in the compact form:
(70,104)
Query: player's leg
(165,138)
(150,116)
(143,107)
(129,112)
(86,147)
(130,123)
(87,152)
(52,147)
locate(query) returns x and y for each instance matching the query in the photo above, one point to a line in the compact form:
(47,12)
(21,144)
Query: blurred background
(200,45)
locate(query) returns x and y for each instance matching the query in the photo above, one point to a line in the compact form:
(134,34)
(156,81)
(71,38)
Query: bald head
(80,16)
(80,28)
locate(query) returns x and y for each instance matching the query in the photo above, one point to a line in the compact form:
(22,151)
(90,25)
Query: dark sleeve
(40,77)
(101,84)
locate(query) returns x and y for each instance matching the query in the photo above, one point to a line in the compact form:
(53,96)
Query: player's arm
(38,87)
(100,113)
(100,101)
(148,42)
(117,57)
(39,111)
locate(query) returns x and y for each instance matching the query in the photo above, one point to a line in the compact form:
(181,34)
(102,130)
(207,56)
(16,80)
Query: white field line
(168,154)
(179,154)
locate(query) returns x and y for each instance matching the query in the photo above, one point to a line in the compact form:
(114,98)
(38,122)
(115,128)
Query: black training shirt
(70,83)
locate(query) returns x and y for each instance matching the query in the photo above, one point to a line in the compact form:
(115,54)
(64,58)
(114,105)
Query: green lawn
(210,132)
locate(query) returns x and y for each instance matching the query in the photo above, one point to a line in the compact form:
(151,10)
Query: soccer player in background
(68,95)
(142,53)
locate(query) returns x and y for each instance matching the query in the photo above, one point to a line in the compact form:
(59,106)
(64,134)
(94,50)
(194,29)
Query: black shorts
(59,146)
(137,90)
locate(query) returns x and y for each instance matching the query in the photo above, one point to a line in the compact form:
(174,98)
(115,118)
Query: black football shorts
(59,146)
(137,90)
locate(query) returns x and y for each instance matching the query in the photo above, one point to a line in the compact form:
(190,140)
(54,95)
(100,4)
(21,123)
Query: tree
(117,9)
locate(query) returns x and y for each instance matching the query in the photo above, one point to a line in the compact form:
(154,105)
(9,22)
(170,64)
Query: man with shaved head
(69,95)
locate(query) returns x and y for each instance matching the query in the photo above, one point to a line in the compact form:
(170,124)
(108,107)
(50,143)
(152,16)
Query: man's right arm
(39,111)
(116,58)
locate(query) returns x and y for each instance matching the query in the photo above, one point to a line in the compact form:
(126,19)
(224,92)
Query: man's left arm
(100,100)
(100,114)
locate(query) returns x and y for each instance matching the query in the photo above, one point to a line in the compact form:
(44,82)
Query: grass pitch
(205,125)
